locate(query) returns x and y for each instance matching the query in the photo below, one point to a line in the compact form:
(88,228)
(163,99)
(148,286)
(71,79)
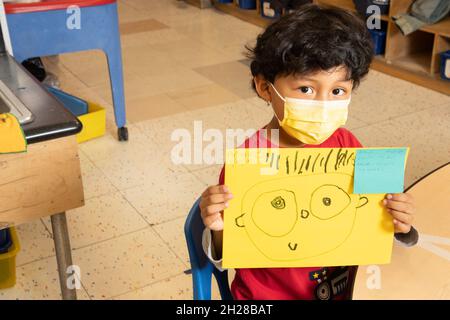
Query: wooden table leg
(63,253)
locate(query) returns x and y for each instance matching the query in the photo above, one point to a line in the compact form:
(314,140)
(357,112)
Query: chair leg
(114,58)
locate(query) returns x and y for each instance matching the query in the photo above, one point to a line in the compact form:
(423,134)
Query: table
(422,271)
(46,180)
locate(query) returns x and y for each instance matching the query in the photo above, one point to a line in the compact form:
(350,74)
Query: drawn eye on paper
(294,218)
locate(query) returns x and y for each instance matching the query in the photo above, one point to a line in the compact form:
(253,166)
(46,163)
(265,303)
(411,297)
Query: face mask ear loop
(279,95)
(276,91)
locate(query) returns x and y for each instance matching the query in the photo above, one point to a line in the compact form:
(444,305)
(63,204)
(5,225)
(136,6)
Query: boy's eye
(306,90)
(338,92)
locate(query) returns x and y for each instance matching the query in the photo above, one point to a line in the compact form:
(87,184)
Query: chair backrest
(202,268)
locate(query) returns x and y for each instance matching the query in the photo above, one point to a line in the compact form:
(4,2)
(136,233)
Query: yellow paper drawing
(296,208)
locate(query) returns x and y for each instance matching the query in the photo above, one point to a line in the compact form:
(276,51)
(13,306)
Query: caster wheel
(122,133)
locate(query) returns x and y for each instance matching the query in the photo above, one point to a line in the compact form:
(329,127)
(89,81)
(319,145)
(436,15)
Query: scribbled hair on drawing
(312,39)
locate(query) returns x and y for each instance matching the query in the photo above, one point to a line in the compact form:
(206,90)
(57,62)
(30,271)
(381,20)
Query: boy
(310,59)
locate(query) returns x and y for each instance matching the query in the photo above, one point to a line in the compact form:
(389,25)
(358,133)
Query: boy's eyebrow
(344,80)
(306,78)
(314,80)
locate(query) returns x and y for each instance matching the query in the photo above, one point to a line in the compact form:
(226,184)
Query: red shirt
(297,283)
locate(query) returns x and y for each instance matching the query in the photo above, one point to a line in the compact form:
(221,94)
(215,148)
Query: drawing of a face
(279,213)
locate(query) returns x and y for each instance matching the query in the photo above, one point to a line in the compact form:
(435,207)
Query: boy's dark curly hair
(313,39)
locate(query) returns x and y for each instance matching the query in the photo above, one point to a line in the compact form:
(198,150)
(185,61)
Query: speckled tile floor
(182,65)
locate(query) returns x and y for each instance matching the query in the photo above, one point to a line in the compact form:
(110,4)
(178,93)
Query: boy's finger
(212,218)
(214,222)
(218,198)
(403,197)
(215,208)
(401,216)
(209,190)
(399,206)
(220,188)
(401,227)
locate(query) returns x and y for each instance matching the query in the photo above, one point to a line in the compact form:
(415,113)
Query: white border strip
(5,29)
(434,249)
(434,239)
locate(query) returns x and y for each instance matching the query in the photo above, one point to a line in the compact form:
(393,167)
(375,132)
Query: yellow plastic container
(8,263)
(94,123)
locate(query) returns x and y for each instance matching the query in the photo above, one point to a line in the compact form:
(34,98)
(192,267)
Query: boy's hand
(401,207)
(214,201)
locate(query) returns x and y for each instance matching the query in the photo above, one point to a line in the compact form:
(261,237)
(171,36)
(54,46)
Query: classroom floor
(183,64)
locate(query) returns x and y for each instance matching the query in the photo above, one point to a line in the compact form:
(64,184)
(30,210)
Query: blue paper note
(379,170)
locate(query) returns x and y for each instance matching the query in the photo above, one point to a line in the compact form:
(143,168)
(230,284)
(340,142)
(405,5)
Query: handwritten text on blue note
(379,170)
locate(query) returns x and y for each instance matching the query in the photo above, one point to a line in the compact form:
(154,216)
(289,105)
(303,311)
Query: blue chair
(43,28)
(202,268)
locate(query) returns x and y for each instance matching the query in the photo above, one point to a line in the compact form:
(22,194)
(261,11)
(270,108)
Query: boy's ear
(262,88)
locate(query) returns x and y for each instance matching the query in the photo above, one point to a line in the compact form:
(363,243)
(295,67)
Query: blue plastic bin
(379,41)
(225,1)
(75,105)
(2,236)
(445,65)
(247,4)
(363,5)
(267,12)
(5,240)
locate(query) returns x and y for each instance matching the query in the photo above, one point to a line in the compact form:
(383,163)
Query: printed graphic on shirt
(330,286)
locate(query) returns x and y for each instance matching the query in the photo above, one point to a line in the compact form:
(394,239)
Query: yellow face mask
(312,121)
